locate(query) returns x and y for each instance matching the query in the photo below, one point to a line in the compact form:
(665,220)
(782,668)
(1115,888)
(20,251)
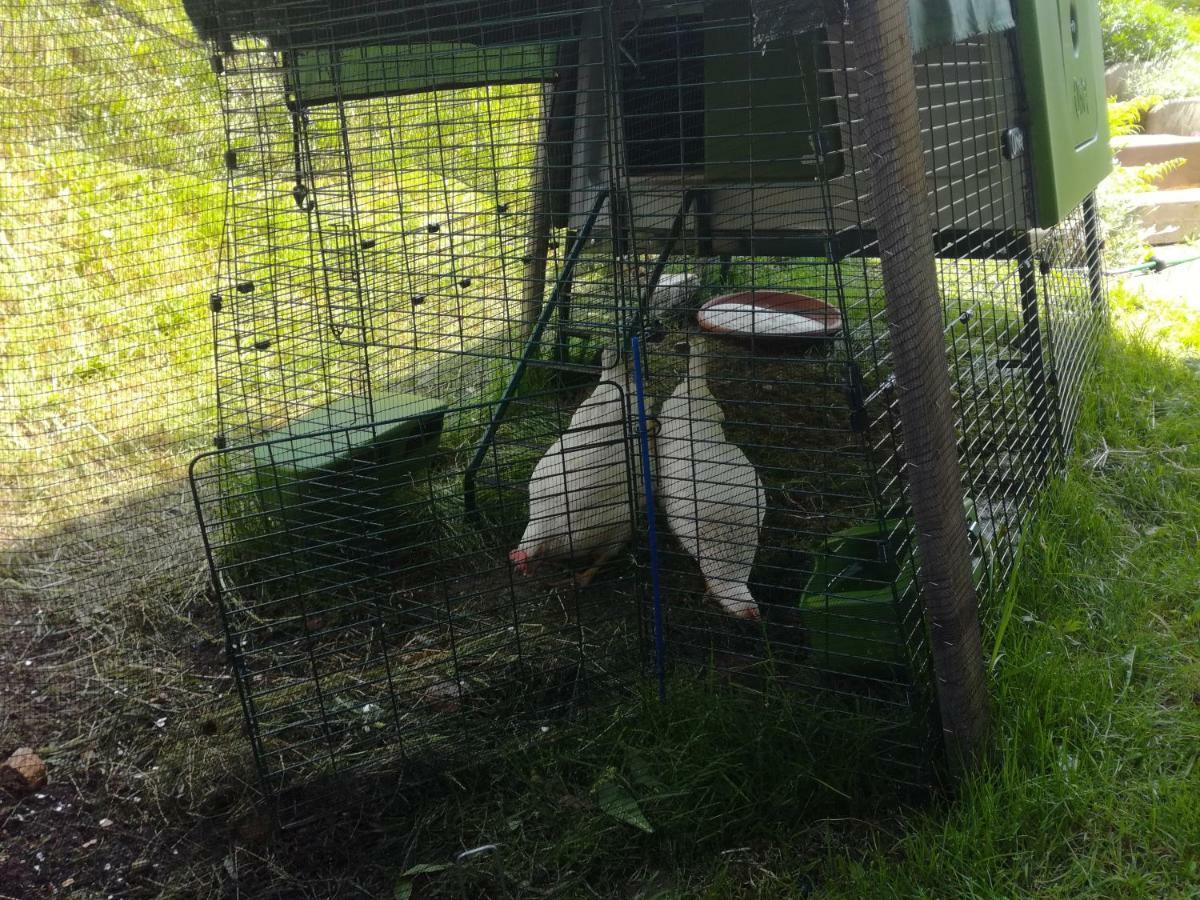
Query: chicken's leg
(584,578)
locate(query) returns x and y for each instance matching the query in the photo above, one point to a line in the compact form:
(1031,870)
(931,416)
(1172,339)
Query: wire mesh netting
(110,223)
(378,273)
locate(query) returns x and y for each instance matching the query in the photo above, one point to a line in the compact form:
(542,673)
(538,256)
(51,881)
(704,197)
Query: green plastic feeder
(331,475)
(849,603)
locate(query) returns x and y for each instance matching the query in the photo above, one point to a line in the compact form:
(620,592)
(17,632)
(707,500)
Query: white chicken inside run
(711,494)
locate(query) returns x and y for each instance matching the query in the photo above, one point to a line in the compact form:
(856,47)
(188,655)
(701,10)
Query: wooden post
(899,196)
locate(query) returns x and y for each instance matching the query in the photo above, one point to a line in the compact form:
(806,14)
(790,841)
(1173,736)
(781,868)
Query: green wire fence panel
(387,314)
(471,206)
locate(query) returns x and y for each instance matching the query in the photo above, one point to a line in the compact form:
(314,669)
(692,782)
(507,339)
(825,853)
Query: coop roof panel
(291,23)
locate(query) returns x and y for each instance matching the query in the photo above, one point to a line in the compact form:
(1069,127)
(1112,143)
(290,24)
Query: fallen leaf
(615,800)
(404,885)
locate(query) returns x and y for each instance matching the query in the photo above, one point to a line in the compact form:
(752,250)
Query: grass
(111,225)
(1091,789)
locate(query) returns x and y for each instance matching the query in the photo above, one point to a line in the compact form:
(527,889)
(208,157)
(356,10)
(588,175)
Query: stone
(1155,149)
(22,772)
(1181,116)
(1116,81)
(1167,217)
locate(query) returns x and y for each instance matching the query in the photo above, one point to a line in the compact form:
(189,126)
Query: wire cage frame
(486,263)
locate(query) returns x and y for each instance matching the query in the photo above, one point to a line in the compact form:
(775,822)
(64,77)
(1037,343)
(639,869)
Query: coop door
(416,199)
(1062,61)
(700,98)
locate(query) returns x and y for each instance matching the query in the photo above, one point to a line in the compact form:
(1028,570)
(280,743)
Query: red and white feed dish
(771,315)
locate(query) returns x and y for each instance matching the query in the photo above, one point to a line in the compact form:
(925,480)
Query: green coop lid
(328,438)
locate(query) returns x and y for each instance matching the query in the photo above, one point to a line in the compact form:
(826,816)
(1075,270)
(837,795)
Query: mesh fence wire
(110,143)
(363,310)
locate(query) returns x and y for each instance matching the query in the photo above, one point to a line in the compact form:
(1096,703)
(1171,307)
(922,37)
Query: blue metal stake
(660,646)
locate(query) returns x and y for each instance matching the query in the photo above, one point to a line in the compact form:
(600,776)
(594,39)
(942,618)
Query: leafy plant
(1125,117)
(1136,30)
(615,799)
(1120,223)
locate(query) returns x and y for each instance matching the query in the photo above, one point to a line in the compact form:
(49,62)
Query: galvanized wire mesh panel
(110,220)
(375,627)
(377,253)
(468,225)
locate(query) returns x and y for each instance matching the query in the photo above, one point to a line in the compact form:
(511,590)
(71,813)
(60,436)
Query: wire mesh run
(426,512)
(375,624)
(110,224)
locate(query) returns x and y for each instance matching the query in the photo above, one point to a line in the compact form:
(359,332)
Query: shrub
(1136,30)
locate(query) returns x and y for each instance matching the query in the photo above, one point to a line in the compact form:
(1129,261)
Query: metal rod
(1154,264)
(1095,261)
(531,345)
(663,257)
(1034,355)
(890,107)
(660,644)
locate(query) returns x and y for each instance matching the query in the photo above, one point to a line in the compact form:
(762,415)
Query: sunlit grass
(111,222)
(106,263)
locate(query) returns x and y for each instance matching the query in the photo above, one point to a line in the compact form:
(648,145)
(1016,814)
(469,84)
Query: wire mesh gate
(438,219)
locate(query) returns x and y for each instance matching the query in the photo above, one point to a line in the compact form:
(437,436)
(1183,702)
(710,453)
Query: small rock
(22,772)
(106,823)
(443,696)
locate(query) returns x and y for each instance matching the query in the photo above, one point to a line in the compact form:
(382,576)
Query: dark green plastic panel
(381,70)
(331,466)
(763,107)
(849,603)
(1062,61)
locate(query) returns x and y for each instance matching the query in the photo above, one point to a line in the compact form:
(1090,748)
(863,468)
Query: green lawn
(1091,790)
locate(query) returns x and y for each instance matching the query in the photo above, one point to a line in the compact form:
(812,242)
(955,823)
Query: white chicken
(710,492)
(580,490)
